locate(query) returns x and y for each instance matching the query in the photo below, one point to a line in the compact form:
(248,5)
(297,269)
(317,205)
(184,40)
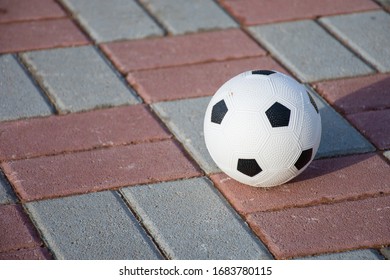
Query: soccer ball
(262,128)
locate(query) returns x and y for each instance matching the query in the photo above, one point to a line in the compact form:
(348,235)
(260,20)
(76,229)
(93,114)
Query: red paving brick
(193,80)
(357,94)
(30,254)
(16,230)
(33,35)
(324,181)
(179,50)
(76,132)
(327,228)
(374,125)
(251,12)
(17,10)
(96,170)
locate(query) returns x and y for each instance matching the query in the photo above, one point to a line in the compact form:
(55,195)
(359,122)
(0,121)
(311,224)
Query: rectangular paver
(309,51)
(94,170)
(362,254)
(92,226)
(78,79)
(190,220)
(324,181)
(324,228)
(113,20)
(42,34)
(338,136)
(374,125)
(19,96)
(27,254)
(76,132)
(180,50)
(367,33)
(6,194)
(182,16)
(19,10)
(16,230)
(251,12)
(193,80)
(357,94)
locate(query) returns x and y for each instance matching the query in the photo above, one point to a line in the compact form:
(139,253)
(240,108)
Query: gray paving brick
(113,20)
(309,51)
(91,226)
(367,33)
(190,220)
(19,97)
(78,79)
(386,252)
(6,194)
(182,16)
(364,254)
(185,119)
(338,136)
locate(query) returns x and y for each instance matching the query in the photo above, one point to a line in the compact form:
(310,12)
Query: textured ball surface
(262,128)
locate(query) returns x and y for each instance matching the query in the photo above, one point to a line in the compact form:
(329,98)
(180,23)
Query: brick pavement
(102,153)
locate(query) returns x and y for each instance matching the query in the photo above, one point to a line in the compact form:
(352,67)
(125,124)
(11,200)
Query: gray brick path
(367,33)
(91,226)
(182,16)
(309,51)
(78,79)
(185,119)
(113,20)
(364,254)
(6,194)
(190,220)
(19,97)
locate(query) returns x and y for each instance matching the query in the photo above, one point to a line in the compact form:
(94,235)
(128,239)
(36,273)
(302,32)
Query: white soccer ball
(262,128)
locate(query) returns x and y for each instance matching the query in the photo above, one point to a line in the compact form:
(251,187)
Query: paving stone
(357,94)
(363,254)
(11,10)
(78,79)
(309,51)
(74,173)
(185,119)
(387,154)
(251,12)
(386,252)
(338,136)
(16,229)
(181,16)
(179,50)
(366,33)
(324,181)
(19,97)
(374,125)
(29,254)
(385,4)
(76,132)
(42,34)
(190,220)
(91,226)
(6,194)
(324,228)
(113,20)
(193,80)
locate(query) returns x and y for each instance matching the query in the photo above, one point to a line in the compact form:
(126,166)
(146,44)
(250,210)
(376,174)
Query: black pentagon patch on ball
(263,72)
(218,112)
(312,102)
(278,115)
(304,158)
(249,167)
